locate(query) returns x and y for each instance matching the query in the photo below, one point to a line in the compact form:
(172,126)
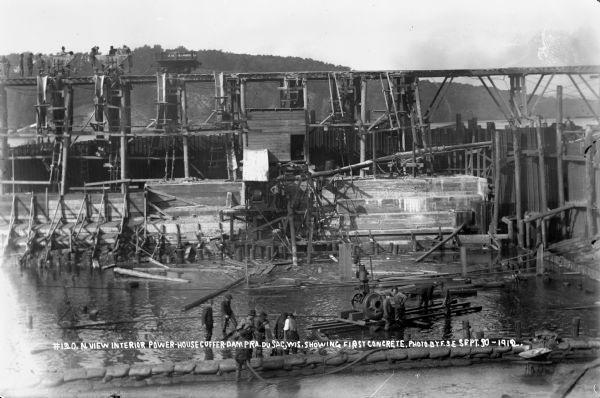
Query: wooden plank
(439,244)
(138,274)
(214,294)
(158,263)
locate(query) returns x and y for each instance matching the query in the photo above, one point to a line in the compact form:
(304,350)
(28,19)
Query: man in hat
(248,323)
(228,315)
(290,333)
(262,330)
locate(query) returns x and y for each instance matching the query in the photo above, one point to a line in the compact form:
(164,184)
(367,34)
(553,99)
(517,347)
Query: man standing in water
(227,314)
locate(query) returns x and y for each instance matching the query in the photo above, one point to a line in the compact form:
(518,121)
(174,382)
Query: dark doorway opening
(297,147)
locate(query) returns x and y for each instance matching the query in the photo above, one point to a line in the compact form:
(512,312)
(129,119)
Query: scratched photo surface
(315,199)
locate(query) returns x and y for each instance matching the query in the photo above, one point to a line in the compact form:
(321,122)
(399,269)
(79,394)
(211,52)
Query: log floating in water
(214,294)
(138,274)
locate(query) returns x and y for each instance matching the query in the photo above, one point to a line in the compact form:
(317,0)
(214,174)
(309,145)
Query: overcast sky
(372,34)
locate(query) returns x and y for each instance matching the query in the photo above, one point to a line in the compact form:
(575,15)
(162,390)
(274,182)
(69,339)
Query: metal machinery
(54,110)
(370,303)
(112,103)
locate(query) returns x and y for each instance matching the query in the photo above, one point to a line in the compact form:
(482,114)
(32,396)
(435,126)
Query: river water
(33,302)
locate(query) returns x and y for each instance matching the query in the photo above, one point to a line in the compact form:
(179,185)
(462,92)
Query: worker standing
(30,64)
(363,275)
(242,354)
(426,295)
(388,311)
(399,300)
(207,318)
(5,66)
(227,314)
(127,52)
(22,64)
(42,66)
(290,333)
(262,331)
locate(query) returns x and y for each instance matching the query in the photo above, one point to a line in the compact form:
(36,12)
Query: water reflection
(153,311)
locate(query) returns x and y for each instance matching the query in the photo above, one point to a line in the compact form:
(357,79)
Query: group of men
(125,50)
(252,328)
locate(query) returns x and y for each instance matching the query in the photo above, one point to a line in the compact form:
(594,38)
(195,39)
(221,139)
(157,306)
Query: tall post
(309,216)
(590,181)
(463,261)
(125,130)
(3,138)
(374,152)
(413,129)
(306,122)
(542,175)
(184,128)
(539,260)
(243,113)
(559,158)
(66,138)
(363,119)
(292,231)
(517,155)
(497,169)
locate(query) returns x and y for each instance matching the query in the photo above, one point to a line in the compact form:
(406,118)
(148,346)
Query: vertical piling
(292,231)
(363,118)
(542,175)
(517,157)
(463,260)
(66,138)
(3,138)
(306,121)
(466,329)
(309,216)
(243,113)
(539,263)
(576,323)
(560,151)
(184,128)
(590,181)
(497,168)
(125,130)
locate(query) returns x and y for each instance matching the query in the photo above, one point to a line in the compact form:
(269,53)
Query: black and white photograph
(365,199)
